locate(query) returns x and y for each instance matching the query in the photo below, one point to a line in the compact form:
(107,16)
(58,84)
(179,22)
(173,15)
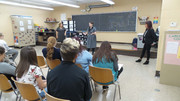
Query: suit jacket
(149,37)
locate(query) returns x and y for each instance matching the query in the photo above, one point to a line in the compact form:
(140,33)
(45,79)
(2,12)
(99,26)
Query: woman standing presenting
(60,33)
(148,38)
(91,39)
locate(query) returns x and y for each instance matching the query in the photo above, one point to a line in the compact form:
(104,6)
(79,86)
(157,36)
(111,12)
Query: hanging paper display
(155,21)
(16,40)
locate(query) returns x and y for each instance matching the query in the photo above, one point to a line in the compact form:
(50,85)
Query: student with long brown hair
(28,71)
(51,52)
(106,58)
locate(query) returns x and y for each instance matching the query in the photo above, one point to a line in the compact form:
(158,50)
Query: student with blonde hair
(68,81)
(51,52)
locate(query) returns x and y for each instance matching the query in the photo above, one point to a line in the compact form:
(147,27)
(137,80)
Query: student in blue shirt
(84,57)
(51,52)
(106,58)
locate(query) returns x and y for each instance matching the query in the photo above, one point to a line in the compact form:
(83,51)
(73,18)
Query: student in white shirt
(9,51)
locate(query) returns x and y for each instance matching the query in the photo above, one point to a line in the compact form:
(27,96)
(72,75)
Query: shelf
(51,21)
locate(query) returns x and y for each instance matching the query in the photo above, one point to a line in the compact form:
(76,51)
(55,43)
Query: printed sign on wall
(155,20)
(172,49)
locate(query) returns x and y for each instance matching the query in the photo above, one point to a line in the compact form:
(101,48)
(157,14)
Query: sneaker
(139,60)
(146,63)
(105,87)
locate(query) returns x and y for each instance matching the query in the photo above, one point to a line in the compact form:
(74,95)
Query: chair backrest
(101,75)
(4,83)
(51,98)
(79,65)
(27,91)
(53,63)
(41,61)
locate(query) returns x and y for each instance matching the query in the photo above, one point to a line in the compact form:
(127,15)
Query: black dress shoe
(105,87)
(139,60)
(146,63)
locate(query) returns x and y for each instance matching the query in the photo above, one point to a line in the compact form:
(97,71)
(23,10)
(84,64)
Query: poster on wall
(172,49)
(16,40)
(155,20)
(63,16)
(22,29)
(29,22)
(21,23)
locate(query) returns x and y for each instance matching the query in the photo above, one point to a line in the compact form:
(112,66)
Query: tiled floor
(137,84)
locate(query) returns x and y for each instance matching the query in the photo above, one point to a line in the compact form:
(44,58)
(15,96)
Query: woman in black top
(60,33)
(148,38)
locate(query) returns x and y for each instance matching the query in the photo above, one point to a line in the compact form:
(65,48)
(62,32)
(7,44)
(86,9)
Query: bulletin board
(170,67)
(172,49)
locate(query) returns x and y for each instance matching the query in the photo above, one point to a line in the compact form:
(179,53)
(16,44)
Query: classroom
(89,50)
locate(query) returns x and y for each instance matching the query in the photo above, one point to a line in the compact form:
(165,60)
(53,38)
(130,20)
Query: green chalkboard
(121,21)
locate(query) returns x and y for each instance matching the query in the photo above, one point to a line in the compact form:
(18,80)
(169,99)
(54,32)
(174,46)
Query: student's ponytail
(50,47)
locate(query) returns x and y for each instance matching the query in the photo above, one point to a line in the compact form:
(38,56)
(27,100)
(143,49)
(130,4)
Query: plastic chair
(27,91)
(53,63)
(102,76)
(51,98)
(5,86)
(41,62)
(79,65)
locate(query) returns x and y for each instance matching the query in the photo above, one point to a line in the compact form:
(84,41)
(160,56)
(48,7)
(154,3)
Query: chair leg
(115,92)
(119,92)
(20,98)
(17,98)
(95,87)
(92,84)
(0,95)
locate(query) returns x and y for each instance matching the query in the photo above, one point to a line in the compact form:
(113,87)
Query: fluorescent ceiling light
(108,1)
(25,5)
(61,3)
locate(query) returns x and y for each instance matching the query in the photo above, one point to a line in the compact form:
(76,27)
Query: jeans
(42,94)
(13,52)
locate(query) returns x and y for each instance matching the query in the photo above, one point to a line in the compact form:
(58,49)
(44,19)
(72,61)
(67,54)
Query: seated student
(28,71)
(5,68)
(68,81)
(84,57)
(51,52)
(9,51)
(106,58)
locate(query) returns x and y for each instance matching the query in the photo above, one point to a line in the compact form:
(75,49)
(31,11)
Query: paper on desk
(172,47)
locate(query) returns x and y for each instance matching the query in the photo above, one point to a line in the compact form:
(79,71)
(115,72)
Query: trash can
(140,43)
